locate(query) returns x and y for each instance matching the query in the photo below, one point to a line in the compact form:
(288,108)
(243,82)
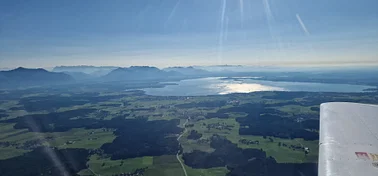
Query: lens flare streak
(221,33)
(305,30)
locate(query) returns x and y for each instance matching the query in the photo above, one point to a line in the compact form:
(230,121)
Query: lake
(218,85)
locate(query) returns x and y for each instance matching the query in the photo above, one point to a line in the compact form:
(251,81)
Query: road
(94,173)
(299,143)
(177,155)
(178,139)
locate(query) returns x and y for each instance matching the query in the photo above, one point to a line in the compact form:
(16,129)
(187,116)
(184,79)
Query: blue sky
(46,33)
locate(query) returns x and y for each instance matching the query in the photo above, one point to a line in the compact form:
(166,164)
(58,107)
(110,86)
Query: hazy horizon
(44,34)
(245,67)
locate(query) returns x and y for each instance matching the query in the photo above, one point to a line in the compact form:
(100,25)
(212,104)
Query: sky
(162,33)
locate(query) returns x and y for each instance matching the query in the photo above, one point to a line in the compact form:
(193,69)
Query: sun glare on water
(246,88)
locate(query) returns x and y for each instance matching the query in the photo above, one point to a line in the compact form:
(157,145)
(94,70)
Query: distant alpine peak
(142,67)
(28,69)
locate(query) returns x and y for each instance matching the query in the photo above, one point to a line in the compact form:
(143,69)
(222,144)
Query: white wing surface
(348,140)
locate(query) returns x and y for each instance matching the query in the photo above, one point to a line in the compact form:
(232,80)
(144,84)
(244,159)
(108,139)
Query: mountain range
(89,70)
(31,77)
(189,71)
(140,73)
(70,74)
(129,73)
(21,77)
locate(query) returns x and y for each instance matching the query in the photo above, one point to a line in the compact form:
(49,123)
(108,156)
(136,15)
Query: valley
(119,132)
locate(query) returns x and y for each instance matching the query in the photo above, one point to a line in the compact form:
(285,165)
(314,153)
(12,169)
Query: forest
(243,162)
(265,121)
(102,130)
(46,161)
(136,138)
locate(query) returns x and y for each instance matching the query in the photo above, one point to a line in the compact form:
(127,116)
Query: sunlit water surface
(217,85)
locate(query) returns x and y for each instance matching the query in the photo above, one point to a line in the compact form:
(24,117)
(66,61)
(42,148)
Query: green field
(152,108)
(106,166)
(169,166)
(75,138)
(281,154)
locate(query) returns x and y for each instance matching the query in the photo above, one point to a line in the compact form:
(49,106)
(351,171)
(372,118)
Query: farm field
(133,133)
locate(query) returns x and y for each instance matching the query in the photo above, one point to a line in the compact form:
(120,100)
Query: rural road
(177,155)
(299,142)
(94,173)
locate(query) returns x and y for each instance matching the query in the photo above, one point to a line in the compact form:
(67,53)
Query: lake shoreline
(230,85)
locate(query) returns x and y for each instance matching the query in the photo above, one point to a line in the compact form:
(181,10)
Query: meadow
(106,115)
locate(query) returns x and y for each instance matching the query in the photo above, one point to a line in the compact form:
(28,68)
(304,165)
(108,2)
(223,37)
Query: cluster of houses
(220,126)
(296,147)
(138,172)
(249,142)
